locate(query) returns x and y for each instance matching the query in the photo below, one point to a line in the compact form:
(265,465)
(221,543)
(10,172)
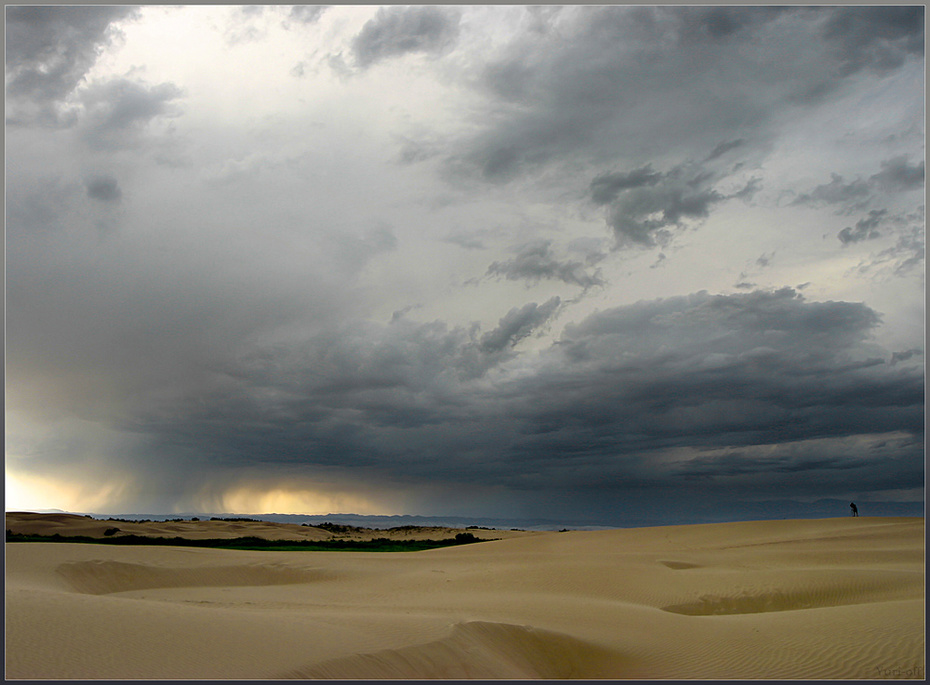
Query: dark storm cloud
(878,38)
(866,229)
(737,464)
(307,14)
(104,189)
(535,261)
(633,397)
(904,356)
(606,187)
(645,206)
(725,147)
(615,81)
(899,176)
(883,462)
(395,31)
(837,191)
(553,98)
(718,23)
(118,109)
(338,392)
(704,372)
(184,308)
(50,49)
(518,324)
(49,52)
(759,324)
(226,326)
(907,254)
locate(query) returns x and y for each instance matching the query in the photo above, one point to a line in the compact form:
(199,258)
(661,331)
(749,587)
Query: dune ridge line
(811,599)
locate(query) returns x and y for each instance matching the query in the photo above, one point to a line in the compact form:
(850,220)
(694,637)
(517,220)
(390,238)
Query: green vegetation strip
(254,543)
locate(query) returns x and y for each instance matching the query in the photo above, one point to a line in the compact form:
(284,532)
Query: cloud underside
(689,76)
(396,31)
(716,390)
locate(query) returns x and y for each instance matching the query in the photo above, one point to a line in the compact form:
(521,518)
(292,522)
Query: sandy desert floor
(832,598)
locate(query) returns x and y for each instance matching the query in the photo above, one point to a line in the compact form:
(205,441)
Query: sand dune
(479,650)
(835,598)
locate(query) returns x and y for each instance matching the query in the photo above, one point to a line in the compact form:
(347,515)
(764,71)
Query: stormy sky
(576,262)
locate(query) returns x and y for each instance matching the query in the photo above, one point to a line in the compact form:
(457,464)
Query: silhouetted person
(852,505)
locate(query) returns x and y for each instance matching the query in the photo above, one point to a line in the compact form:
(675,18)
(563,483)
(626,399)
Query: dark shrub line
(256,543)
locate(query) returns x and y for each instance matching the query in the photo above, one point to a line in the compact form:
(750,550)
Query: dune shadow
(482,650)
(822,590)
(100,577)
(748,603)
(679,565)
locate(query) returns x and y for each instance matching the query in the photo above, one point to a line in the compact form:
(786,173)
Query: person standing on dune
(855,511)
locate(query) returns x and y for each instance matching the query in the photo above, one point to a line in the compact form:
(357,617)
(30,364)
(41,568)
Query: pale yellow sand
(835,598)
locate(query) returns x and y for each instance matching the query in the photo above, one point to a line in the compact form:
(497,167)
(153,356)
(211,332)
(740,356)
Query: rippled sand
(833,598)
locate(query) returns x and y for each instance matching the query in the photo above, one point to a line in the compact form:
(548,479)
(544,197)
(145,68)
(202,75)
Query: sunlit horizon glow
(283,498)
(605,263)
(25,492)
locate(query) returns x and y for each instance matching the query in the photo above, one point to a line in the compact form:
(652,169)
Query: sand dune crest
(810,590)
(479,649)
(101,577)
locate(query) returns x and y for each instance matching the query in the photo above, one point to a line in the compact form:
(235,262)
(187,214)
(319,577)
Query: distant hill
(364,521)
(711,512)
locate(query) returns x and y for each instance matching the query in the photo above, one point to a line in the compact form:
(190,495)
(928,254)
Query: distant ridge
(717,512)
(365,521)
(359,520)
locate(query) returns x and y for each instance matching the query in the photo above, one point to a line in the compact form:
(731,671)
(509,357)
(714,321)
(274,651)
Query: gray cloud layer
(865,228)
(399,30)
(662,387)
(307,14)
(535,262)
(518,324)
(181,316)
(48,51)
(104,189)
(897,175)
(644,206)
(878,38)
(117,109)
(706,74)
